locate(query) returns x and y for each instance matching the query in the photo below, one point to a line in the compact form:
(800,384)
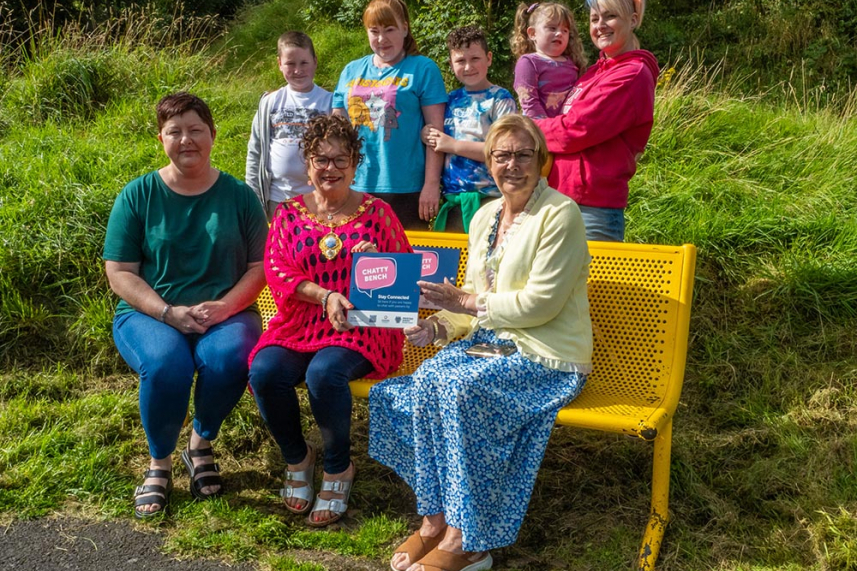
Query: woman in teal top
(183,252)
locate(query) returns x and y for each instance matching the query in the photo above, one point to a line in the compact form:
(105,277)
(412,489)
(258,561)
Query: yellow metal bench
(640,297)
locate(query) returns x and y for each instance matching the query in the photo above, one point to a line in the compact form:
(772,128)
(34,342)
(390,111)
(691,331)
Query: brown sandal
(439,560)
(416,547)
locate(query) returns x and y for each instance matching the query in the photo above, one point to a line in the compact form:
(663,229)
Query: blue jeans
(166,360)
(274,374)
(604,224)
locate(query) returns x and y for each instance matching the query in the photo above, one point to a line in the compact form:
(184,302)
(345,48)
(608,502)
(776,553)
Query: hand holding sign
(383,290)
(364,246)
(337,306)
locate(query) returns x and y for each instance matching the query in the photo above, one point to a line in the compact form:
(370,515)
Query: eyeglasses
(321,162)
(524,156)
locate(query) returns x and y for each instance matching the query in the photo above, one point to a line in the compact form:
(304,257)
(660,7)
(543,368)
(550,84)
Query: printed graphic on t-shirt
(372,103)
(569,100)
(554,101)
(469,115)
(288,124)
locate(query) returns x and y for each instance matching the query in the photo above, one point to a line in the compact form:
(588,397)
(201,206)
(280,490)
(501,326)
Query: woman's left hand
(429,201)
(447,296)
(364,246)
(210,313)
(337,305)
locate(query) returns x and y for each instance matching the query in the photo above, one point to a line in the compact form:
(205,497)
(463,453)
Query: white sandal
(304,492)
(337,506)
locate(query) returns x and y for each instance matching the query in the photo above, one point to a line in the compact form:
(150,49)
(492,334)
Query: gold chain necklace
(330,244)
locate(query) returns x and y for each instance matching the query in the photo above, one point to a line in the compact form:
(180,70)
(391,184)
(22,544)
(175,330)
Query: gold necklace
(330,244)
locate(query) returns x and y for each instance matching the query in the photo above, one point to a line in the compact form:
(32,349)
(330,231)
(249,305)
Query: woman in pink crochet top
(308,267)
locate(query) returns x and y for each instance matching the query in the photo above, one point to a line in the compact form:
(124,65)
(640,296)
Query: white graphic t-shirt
(290,113)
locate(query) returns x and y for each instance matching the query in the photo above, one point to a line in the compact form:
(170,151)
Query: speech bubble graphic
(371,273)
(430,262)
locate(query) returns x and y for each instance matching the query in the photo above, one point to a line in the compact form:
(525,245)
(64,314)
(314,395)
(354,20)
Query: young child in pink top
(550,57)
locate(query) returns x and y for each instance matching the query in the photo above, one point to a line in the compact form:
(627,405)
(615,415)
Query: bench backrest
(639,297)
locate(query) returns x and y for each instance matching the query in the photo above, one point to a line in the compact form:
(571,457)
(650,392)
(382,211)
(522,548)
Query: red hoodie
(605,124)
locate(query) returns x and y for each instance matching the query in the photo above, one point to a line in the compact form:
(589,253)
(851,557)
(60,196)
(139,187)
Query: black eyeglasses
(523,156)
(321,162)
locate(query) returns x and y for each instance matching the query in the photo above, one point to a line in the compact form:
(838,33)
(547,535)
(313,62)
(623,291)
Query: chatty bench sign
(384,290)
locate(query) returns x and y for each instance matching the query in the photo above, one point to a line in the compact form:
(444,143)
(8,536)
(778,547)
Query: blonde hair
(383,13)
(528,15)
(624,8)
(512,123)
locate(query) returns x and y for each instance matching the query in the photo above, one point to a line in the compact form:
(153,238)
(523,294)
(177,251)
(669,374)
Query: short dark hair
(180,103)
(461,38)
(295,39)
(322,128)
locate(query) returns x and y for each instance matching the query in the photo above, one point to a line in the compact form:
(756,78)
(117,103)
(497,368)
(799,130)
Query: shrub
(808,44)
(64,85)
(434,20)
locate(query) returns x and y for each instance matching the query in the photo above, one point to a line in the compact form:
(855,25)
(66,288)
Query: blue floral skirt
(468,435)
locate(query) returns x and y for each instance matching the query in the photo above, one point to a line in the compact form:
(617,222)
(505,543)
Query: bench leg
(659,514)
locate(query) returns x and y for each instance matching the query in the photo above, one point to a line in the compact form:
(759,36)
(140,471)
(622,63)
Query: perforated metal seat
(640,297)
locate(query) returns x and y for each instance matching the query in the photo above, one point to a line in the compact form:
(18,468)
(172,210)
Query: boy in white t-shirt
(275,169)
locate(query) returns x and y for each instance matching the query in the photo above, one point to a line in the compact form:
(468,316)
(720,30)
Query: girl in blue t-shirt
(389,96)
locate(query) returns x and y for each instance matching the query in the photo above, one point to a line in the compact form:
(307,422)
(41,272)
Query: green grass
(763,471)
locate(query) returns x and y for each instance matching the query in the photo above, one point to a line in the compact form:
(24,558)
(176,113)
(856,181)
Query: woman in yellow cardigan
(467,431)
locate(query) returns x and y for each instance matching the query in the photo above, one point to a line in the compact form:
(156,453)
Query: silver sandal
(337,506)
(305,492)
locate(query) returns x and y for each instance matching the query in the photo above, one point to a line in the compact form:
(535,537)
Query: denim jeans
(166,360)
(604,224)
(274,374)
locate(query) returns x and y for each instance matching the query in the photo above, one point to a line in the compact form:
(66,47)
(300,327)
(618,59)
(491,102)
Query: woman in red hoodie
(606,121)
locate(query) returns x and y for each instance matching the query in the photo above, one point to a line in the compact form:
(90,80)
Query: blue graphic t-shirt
(469,115)
(385,105)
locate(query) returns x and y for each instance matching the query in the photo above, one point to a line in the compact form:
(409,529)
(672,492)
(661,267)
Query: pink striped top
(293,254)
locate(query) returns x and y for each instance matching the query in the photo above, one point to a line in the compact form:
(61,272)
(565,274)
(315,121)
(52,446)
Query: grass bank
(763,461)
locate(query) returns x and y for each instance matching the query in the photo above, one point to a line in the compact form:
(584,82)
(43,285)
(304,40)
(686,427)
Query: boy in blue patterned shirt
(466,182)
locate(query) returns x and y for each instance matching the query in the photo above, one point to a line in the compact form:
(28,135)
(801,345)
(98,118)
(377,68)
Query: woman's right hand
(421,334)
(182,318)
(337,305)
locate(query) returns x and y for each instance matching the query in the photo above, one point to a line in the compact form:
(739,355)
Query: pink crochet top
(293,254)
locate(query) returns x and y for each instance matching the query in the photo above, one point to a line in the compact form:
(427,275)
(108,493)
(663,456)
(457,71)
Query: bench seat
(640,298)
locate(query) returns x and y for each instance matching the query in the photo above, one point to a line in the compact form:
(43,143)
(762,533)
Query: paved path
(74,545)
